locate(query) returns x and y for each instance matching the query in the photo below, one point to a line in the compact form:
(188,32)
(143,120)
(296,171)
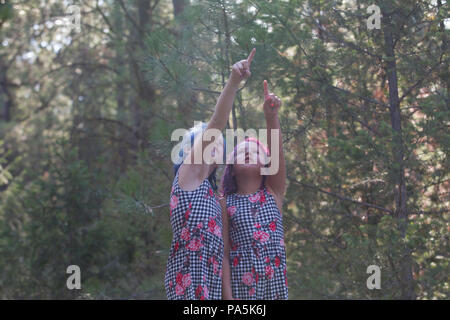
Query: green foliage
(85,170)
(6,11)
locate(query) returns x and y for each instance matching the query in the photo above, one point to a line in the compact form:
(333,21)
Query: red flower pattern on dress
(214,228)
(186,280)
(179,290)
(173,202)
(202,292)
(235,261)
(231,211)
(215,264)
(198,291)
(179,278)
(193,237)
(185,235)
(261,236)
(194,245)
(210,193)
(262,197)
(182,282)
(247,278)
(277,261)
(211,224)
(254,198)
(273,226)
(269,272)
(259,206)
(188,212)
(217,231)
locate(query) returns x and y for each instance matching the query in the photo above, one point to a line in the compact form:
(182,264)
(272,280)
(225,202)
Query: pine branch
(346,43)
(420,81)
(127,14)
(430,212)
(341,197)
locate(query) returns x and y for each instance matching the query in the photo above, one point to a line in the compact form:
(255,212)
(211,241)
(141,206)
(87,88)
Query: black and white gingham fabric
(194,266)
(257,255)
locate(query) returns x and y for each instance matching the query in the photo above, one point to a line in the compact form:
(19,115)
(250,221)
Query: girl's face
(249,156)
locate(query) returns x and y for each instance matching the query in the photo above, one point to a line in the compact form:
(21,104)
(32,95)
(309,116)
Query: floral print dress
(194,266)
(257,253)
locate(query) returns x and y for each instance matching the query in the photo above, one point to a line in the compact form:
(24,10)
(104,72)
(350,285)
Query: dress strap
(263,184)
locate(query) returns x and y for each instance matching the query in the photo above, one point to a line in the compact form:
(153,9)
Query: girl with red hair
(254,252)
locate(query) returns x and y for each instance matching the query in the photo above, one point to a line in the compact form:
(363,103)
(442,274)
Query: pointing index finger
(250,56)
(266,90)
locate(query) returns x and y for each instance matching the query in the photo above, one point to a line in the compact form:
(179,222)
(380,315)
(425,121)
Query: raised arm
(240,71)
(276,182)
(192,175)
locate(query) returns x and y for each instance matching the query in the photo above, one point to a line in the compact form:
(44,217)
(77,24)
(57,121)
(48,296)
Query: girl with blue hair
(194,267)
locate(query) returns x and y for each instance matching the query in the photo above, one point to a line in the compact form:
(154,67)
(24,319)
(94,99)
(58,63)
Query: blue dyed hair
(189,138)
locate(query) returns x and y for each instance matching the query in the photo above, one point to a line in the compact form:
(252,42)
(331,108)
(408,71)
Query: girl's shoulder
(176,186)
(278,200)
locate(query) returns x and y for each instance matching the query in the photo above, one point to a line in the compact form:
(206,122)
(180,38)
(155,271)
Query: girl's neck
(248,185)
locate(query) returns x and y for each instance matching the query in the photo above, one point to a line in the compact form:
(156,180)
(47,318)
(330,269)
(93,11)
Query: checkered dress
(194,266)
(257,255)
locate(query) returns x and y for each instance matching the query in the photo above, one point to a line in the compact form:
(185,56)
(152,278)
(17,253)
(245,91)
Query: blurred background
(91,90)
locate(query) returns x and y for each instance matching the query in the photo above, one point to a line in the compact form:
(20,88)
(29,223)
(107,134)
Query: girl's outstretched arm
(240,71)
(276,182)
(192,175)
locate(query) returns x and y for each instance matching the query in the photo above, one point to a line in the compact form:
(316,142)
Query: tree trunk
(122,115)
(145,92)
(5,95)
(178,6)
(407,281)
(185,102)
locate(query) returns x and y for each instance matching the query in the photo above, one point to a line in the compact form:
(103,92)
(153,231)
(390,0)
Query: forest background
(91,90)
